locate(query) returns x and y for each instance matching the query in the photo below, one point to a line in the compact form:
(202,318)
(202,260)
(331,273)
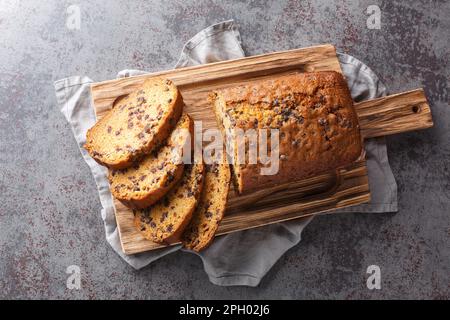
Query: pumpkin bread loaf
(165,220)
(149,180)
(317,125)
(137,123)
(210,210)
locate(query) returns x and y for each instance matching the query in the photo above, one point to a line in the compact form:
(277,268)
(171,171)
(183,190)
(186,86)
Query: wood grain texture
(396,113)
(346,187)
(197,81)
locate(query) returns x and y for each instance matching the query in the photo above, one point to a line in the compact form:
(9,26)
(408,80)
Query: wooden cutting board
(346,187)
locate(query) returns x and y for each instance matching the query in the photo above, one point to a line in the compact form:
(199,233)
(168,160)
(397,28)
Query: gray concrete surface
(49,211)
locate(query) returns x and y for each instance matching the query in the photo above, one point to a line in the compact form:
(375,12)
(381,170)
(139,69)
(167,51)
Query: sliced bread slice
(146,182)
(165,221)
(204,223)
(137,123)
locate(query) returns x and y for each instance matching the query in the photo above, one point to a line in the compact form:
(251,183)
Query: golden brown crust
(149,180)
(165,221)
(136,124)
(318,127)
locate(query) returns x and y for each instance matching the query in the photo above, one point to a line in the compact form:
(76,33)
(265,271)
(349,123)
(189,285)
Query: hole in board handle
(415,108)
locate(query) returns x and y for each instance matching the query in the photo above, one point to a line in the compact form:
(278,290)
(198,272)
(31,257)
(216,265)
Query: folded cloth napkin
(240,258)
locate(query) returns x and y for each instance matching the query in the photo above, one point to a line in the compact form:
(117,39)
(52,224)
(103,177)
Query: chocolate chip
(279,122)
(148,128)
(300,119)
(286,113)
(141,100)
(214,168)
(170,177)
(275,102)
(164,216)
(109,129)
(170,228)
(322,121)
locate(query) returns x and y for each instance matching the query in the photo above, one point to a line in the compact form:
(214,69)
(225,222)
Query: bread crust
(314,113)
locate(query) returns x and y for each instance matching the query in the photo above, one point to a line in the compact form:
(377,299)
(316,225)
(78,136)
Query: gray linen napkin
(240,258)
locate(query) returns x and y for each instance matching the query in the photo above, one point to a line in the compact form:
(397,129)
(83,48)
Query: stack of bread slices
(141,140)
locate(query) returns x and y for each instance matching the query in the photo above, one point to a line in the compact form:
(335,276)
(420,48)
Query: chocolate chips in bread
(210,210)
(317,125)
(137,123)
(149,180)
(165,220)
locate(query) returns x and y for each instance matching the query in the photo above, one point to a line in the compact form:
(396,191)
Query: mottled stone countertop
(49,212)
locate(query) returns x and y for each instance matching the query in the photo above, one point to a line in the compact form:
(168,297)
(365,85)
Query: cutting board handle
(393,114)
